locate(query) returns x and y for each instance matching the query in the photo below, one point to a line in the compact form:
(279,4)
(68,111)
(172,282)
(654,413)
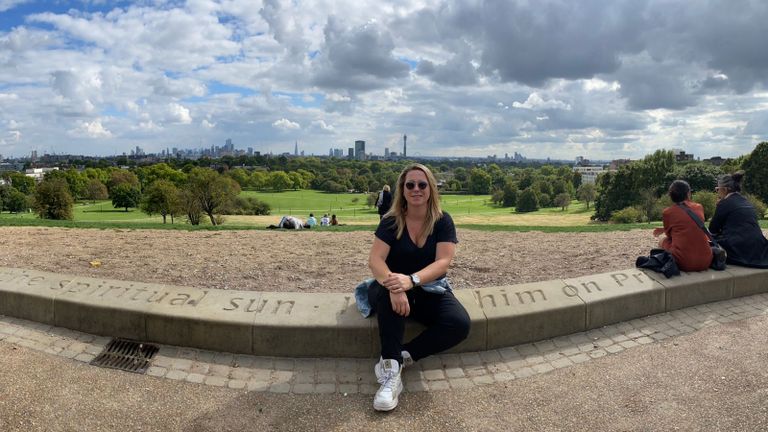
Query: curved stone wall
(329,325)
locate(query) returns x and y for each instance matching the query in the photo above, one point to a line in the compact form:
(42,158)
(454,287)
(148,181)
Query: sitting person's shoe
(391,386)
(407,361)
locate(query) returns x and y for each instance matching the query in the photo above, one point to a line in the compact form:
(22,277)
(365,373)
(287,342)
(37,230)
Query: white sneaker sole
(389,407)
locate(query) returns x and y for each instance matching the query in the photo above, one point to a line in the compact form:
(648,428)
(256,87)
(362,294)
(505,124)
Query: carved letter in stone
(234,302)
(587,284)
(197,301)
(258,308)
(180,300)
(487,296)
(290,304)
(530,295)
(33,281)
(619,278)
(570,291)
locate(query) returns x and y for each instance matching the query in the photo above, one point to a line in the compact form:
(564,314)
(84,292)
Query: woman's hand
(397,283)
(400,303)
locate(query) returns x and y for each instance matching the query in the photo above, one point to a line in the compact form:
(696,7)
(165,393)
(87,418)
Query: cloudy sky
(601,79)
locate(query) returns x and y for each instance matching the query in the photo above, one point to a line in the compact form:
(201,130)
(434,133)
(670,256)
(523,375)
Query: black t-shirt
(404,256)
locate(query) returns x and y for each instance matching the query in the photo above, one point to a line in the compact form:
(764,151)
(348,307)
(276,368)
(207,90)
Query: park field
(470,211)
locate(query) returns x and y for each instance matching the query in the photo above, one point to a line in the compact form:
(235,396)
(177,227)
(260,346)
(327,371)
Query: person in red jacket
(683,238)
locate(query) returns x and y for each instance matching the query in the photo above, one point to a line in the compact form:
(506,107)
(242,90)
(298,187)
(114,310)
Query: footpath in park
(697,368)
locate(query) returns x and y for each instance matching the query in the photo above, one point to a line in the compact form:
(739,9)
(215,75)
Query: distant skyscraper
(386,152)
(360,150)
(351,152)
(405,145)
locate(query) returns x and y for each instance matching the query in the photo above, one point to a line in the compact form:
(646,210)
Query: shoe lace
(387,378)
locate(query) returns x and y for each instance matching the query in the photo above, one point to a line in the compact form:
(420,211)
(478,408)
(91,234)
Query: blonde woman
(412,249)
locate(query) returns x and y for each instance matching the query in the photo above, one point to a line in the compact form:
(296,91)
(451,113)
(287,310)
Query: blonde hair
(400,205)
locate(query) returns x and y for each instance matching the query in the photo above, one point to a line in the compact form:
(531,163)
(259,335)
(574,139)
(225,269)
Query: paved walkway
(658,373)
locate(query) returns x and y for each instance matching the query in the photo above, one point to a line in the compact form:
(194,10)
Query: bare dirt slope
(308,261)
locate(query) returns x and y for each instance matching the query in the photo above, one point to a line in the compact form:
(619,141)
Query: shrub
(758,204)
(708,200)
(249,206)
(545,200)
(627,215)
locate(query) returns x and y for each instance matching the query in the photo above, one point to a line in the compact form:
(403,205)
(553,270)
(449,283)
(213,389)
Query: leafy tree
(213,191)
(97,174)
(53,200)
(297,180)
(240,176)
(125,195)
(279,180)
(527,201)
(96,190)
(586,193)
(160,171)
(509,194)
(21,182)
(563,200)
(545,200)
(479,181)
(15,201)
(249,206)
(259,180)
(576,180)
(122,176)
(756,172)
(360,184)
(161,197)
(189,205)
(701,176)
(758,204)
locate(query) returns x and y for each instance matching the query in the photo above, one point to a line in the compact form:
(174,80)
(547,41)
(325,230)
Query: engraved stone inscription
(131,293)
(505,299)
(263,306)
(590,286)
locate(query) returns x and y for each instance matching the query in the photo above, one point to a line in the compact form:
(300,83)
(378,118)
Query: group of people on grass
(415,242)
(734,226)
(292,222)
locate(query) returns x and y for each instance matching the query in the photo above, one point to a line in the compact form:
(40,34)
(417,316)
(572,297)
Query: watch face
(415,279)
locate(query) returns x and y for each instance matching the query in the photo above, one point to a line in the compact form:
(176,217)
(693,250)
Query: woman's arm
(377,262)
(718,219)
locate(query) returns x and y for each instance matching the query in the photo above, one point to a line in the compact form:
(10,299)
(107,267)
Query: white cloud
(285,124)
(10,4)
(92,129)
(207,124)
(535,102)
(178,114)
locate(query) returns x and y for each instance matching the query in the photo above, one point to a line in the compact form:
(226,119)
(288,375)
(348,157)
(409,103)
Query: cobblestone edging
(351,376)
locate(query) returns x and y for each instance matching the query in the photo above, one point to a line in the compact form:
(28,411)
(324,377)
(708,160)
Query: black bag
(719,255)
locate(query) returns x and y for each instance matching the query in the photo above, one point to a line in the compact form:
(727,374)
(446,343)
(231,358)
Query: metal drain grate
(126,355)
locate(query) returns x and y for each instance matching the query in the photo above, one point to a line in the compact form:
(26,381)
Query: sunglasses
(411,185)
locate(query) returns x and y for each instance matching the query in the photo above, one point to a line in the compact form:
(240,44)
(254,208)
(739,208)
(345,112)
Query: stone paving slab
(243,372)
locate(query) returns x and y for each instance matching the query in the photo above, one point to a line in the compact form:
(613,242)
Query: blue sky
(600,79)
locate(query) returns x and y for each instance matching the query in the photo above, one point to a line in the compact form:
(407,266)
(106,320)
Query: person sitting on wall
(311,222)
(687,243)
(735,225)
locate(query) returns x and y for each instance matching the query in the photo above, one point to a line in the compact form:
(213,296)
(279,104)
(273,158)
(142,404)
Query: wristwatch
(415,280)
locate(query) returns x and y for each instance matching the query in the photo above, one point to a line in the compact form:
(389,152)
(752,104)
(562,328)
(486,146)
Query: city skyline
(603,79)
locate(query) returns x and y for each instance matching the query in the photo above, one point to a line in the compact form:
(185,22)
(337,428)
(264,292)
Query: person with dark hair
(683,238)
(413,247)
(735,226)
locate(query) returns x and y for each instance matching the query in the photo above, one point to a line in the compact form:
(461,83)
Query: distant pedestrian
(334,221)
(324,221)
(384,202)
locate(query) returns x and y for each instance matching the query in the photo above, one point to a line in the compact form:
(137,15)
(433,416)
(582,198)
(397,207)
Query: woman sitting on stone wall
(684,239)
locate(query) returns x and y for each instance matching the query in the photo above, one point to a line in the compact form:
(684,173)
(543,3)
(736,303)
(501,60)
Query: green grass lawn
(469,211)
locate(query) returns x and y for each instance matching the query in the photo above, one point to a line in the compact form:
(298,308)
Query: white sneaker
(391,386)
(407,361)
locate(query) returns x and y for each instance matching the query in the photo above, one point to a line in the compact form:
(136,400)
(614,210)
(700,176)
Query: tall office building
(351,152)
(296,148)
(360,150)
(405,146)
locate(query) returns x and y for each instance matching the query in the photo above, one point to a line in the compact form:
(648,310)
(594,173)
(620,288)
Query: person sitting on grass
(683,237)
(311,222)
(289,222)
(324,221)
(334,221)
